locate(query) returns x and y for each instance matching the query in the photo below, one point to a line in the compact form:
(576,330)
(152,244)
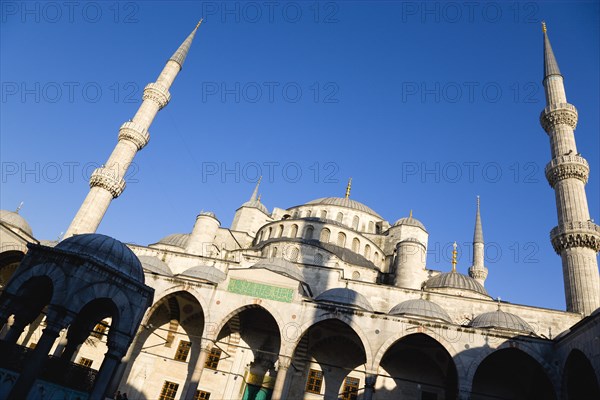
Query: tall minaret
(576,238)
(478,271)
(106,182)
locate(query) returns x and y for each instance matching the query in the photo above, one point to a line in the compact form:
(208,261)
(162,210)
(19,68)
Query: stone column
(15,330)
(282,368)
(370,380)
(116,350)
(35,361)
(205,348)
(62,342)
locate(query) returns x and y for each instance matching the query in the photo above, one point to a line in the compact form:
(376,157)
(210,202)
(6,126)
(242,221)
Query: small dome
(345,296)
(153,264)
(106,251)
(502,320)
(205,272)
(455,280)
(208,214)
(410,221)
(256,204)
(343,202)
(14,219)
(421,308)
(280,266)
(176,239)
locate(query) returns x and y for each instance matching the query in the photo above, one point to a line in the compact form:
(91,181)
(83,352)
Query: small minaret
(478,271)
(576,238)
(107,182)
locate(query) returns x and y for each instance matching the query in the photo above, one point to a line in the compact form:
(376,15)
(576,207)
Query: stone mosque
(323,300)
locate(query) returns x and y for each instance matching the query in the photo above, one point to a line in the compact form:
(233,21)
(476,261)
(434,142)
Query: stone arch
(51,270)
(294,231)
(341,239)
(308,232)
(579,379)
(511,372)
(325,235)
(417,363)
(348,321)
(159,297)
(223,320)
(340,217)
(355,245)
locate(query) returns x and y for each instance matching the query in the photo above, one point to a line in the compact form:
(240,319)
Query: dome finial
(454,252)
(19,207)
(259,197)
(498,303)
(348,187)
(410,214)
(544,27)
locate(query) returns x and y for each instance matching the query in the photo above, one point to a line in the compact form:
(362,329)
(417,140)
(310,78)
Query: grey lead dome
(14,219)
(501,319)
(345,296)
(421,308)
(106,251)
(455,280)
(344,202)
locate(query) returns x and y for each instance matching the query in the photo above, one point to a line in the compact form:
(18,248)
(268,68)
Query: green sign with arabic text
(261,290)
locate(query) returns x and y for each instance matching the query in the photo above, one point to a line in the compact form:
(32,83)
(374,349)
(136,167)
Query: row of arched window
(339,217)
(324,237)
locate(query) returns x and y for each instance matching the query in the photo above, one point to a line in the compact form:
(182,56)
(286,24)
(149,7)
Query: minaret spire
(255,193)
(576,238)
(454,253)
(107,182)
(478,271)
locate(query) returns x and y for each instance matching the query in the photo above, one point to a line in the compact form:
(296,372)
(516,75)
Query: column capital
(284,362)
(370,380)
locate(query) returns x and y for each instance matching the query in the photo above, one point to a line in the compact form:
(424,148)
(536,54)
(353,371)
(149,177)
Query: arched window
(308,232)
(296,214)
(274,252)
(294,254)
(308,213)
(325,234)
(355,222)
(371,227)
(367,251)
(376,257)
(318,258)
(341,239)
(270,232)
(323,214)
(294,231)
(339,217)
(279,231)
(355,245)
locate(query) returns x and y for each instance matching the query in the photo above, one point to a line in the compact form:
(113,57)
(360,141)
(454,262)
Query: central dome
(455,280)
(344,202)
(106,251)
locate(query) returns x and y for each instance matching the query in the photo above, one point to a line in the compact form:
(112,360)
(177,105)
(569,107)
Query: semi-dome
(502,320)
(256,204)
(106,251)
(455,280)
(345,296)
(206,272)
(344,202)
(421,308)
(410,221)
(280,266)
(176,239)
(14,219)
(153,264)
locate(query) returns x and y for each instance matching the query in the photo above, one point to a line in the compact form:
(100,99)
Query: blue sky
(424,105)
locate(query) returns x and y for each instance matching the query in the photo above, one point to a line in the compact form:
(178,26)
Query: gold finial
(454,252)
(348,188)
(544,26)
(199,23)
(410,214)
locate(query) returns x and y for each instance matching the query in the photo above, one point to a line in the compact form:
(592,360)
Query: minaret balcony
(575,234)
(558,114)
(566,167)
(107,179)
(134,133)
(157,93)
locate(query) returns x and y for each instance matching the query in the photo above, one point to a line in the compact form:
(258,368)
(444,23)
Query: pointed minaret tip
(348,187)
(550,64)
(181,53)
(478,234)
(255,192)
(19,207)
